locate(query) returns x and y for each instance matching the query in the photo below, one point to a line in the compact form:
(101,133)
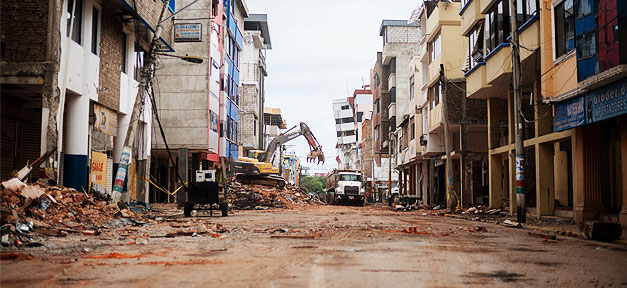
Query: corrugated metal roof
(385,23)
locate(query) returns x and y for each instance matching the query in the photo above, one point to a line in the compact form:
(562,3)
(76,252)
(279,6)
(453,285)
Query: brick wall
(249,108)
(111,38)
(454,100)
(150,11)
(24,26)
(403,34)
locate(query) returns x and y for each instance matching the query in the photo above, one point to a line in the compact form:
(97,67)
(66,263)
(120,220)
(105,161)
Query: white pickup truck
(345,187)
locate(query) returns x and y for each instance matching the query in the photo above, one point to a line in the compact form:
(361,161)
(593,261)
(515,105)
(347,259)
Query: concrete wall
(183,98)
(249,116)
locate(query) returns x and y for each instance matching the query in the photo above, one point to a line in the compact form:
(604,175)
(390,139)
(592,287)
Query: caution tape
(163,189)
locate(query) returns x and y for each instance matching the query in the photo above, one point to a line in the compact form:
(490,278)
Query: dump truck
(345,187)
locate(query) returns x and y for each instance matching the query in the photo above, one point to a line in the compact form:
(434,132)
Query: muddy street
(316,246)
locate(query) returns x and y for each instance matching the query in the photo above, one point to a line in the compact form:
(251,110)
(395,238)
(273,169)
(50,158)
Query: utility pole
(451,197)
(145,77)
(520,152)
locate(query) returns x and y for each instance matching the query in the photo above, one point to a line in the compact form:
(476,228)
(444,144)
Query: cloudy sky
(321,50)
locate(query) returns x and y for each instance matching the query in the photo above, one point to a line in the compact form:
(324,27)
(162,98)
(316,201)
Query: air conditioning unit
(423,140)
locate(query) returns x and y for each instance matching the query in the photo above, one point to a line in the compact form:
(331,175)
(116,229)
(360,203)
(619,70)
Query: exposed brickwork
(111,39)
(250,108)
(24,30)
(366,149)
(150,11)
(402,34)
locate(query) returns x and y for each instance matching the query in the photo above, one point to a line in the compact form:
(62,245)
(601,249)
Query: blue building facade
(233,43)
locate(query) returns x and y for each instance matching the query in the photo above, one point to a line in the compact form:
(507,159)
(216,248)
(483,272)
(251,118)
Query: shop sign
(106,120)
(569,114)
(98,173)
(188,32)
(607,102)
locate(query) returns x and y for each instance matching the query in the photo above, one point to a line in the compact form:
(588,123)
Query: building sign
(603,103)
(188,32)
(607,102)
(569,114)
(106,120)
(98,173)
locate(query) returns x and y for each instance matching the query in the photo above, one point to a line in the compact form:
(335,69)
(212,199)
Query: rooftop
(397,23)
(259,22)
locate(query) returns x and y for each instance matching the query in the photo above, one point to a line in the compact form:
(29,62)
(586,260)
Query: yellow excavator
(257,169)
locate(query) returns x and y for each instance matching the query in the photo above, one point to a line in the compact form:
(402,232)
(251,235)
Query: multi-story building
(253,73)
(199,103)
(583,72)
(345,130)
(274,124)
(235,12)
(572,107)
(380,100)
(291,169)
(361,105)
(84,57)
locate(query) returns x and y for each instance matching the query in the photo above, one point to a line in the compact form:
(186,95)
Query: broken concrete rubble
(261,197)
(50,211)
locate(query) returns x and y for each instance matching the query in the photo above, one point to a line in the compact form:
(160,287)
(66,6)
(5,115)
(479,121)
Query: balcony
(498,64)
(392,109)
(445,13)
(470,15)
(476,84)
(434,70)
(391,81)
(435,118)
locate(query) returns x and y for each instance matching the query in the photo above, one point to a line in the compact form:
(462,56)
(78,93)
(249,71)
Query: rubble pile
(52,211)
(261,197)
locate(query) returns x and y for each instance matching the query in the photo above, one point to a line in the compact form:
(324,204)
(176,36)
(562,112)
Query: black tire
(281,184)
(224,207)
(187,209)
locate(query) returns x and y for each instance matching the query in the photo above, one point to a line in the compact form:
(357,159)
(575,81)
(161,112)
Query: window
(393,65)
(435,96)
(377,81)
(411,88)
(95,15)
(475,46)
(254,127)
(360,116)
(124,51)
(78,19)
(339,134)
(345,107)
(497,25)
(412,132)
(564,28)
(435,47)
(214,121)
(139,61)
(337,121)
(377,107)
(376,133)
(525,10)
(349,177)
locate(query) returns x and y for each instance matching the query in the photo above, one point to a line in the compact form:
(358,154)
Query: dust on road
(318,246)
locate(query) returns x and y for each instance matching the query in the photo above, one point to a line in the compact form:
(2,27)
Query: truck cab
(345,187)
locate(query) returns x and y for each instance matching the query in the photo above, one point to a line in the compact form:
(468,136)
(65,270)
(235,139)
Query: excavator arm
(315,148)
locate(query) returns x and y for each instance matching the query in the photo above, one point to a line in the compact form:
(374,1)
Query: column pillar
(545,191)
(512,182)
(588,199)
(76,142)
(623,152)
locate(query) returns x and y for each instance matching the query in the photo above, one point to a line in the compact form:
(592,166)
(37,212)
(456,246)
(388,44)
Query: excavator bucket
(314,155)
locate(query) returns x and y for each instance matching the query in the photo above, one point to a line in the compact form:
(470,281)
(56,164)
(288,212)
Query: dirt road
(318,246)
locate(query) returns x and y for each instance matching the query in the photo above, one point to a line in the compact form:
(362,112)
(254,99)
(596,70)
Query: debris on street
(262,197)
(39,209)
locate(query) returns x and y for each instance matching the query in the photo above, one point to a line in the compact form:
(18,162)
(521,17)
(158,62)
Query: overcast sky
(321,50)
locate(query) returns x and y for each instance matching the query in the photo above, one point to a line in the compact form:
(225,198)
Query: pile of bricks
(260,197)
